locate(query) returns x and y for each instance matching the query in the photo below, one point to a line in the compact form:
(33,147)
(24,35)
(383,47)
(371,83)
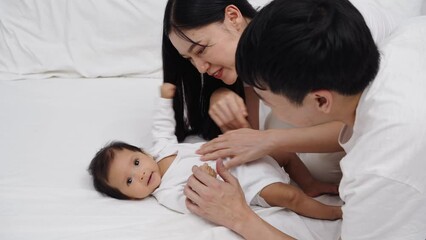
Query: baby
(124,171)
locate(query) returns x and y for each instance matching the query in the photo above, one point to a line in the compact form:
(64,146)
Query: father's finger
(212,146)
(191,195)
(203,178)
(224,173)
(194,208)
(195,185)
(224,153)
(233,162)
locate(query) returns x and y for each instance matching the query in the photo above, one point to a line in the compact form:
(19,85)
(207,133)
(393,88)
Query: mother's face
(216,43)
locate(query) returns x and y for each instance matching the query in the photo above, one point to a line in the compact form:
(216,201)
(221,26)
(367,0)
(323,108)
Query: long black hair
(193,90)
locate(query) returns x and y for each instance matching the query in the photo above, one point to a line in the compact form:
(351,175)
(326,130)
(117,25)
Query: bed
(73,76)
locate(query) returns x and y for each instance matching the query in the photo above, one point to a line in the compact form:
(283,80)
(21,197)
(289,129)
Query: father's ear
(323,100)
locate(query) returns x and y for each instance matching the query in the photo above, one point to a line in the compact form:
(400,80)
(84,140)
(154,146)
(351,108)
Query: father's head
(296,49)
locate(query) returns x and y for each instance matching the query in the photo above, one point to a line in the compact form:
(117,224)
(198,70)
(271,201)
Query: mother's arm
(223,203)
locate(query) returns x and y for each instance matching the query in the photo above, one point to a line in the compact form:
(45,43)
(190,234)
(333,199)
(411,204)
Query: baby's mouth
(149,179)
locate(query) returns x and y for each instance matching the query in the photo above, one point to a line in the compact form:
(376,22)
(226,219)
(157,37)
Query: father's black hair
(295,47)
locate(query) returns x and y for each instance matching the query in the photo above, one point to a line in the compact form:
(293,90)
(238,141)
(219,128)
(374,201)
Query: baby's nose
(142,175)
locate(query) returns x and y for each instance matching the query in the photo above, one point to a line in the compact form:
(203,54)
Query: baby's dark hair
(100,164)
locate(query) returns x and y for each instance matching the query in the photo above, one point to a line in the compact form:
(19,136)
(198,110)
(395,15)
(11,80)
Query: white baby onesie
(253,176)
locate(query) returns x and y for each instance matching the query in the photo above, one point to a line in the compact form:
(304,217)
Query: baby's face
(135,174)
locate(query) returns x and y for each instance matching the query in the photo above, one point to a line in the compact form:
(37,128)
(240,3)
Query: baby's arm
(163,129)
(288,196)
(167,90)
(300,174)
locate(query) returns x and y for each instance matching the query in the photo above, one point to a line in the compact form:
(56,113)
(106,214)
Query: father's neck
(345,108)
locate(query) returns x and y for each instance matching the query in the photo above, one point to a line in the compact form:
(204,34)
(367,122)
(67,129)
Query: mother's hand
(221,202)
(241,145)
(228,111)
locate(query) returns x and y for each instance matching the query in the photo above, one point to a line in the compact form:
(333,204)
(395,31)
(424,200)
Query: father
(314,61)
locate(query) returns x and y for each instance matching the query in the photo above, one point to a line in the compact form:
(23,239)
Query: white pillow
(423,11)
(383,16)
(109,38)
(89,38)
(81,38)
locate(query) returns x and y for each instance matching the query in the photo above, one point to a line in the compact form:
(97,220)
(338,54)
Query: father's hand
(241,146)
(221,202)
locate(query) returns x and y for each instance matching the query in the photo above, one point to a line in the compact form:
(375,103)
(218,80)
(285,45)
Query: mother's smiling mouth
(218,73)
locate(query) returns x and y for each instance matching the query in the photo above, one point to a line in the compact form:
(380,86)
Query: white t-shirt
(253,176)
(384,179)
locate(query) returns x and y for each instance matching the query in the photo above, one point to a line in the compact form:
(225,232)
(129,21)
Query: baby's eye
(129,181)
(136,162)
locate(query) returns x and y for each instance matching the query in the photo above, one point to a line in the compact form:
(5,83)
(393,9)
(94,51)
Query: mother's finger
(239,114)
(228,118)
(225,111)
(238,122)
(221,123)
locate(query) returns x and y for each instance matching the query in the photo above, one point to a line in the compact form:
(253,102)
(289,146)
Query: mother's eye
(201,51)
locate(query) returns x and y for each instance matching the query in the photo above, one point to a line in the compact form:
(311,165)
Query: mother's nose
(201,65)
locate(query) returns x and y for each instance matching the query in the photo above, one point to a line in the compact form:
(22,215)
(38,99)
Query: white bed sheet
(51,128)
